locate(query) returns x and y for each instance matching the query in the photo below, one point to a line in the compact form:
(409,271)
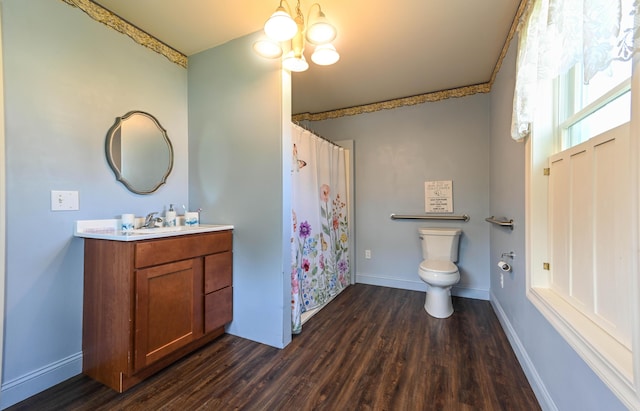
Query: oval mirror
(139,152)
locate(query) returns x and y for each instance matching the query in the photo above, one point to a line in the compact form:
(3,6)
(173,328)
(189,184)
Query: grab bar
(429,217)
(502,223)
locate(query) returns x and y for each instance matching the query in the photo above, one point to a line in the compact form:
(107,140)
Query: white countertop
(109,230)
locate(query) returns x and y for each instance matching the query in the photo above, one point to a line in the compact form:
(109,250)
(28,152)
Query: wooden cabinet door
(168,309)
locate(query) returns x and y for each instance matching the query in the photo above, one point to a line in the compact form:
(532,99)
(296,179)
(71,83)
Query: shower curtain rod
(296,122)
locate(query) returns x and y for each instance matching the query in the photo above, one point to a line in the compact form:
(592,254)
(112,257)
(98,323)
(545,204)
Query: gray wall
(236,176)
(466,140)
(67,78)
(396,151)
(560,377)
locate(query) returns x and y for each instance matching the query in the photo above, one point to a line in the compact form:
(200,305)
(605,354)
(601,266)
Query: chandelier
(285,37)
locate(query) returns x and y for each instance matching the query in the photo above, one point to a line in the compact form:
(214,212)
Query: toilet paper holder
(503,265)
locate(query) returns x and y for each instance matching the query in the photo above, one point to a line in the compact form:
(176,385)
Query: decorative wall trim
(390,104)
(517,19)
(427,97)
(113,21)
(104,16)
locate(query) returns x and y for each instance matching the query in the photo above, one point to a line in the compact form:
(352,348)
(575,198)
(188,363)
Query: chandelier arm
(311,8)
(288,6)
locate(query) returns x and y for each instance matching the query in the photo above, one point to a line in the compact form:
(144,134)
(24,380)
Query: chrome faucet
(150,221)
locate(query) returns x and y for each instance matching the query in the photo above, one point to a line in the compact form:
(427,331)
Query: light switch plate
(64,200)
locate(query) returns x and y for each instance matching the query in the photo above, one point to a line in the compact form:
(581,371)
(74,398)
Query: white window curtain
(555,35)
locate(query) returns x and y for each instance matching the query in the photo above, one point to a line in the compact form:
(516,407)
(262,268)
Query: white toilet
(440,252)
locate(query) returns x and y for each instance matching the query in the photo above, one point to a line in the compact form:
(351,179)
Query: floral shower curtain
(320,237)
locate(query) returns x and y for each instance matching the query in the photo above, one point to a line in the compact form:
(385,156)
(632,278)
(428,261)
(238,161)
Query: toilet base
(438,302)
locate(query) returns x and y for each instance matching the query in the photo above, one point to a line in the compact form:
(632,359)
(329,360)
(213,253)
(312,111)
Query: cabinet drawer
(218,309)
(217,271)
(154,252)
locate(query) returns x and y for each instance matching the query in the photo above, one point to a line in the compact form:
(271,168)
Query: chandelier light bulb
(267,48)
(325,55)
(321,31)
(280,26)
(293,63)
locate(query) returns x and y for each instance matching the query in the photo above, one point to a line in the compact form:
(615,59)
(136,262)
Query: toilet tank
(440,243)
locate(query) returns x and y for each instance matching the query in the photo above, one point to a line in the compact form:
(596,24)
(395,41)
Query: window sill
(608,358)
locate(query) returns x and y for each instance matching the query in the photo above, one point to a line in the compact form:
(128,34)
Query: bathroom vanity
(151,299)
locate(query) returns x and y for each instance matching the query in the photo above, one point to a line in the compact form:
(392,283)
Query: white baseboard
(418,285)
(538,387)
(23,387)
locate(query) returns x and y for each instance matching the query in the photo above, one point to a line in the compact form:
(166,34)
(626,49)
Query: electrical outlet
(64,200)
(367,254)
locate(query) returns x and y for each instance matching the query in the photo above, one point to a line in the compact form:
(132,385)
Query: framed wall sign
(438,196)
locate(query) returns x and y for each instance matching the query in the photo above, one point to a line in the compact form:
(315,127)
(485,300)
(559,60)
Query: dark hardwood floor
(372,348)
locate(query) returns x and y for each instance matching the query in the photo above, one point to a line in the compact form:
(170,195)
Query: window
(585,111)
(582,222)
(579,221)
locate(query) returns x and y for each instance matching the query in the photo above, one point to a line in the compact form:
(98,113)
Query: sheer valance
(555,35)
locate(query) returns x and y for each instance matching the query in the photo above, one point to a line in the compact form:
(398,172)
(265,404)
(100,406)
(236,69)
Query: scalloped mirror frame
(115,162)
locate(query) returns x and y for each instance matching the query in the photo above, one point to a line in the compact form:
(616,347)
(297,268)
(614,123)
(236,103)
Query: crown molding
(106,17)
(396,103)
(113,21)
(427,97)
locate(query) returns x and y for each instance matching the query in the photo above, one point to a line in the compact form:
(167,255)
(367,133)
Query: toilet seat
(438,266)
(439,273)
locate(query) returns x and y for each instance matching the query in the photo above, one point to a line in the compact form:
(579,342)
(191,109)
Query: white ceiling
(388,49)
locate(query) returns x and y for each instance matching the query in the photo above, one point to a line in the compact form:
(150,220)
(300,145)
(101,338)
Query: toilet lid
(438,266)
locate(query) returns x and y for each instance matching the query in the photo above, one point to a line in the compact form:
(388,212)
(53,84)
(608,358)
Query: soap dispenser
(170,217)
